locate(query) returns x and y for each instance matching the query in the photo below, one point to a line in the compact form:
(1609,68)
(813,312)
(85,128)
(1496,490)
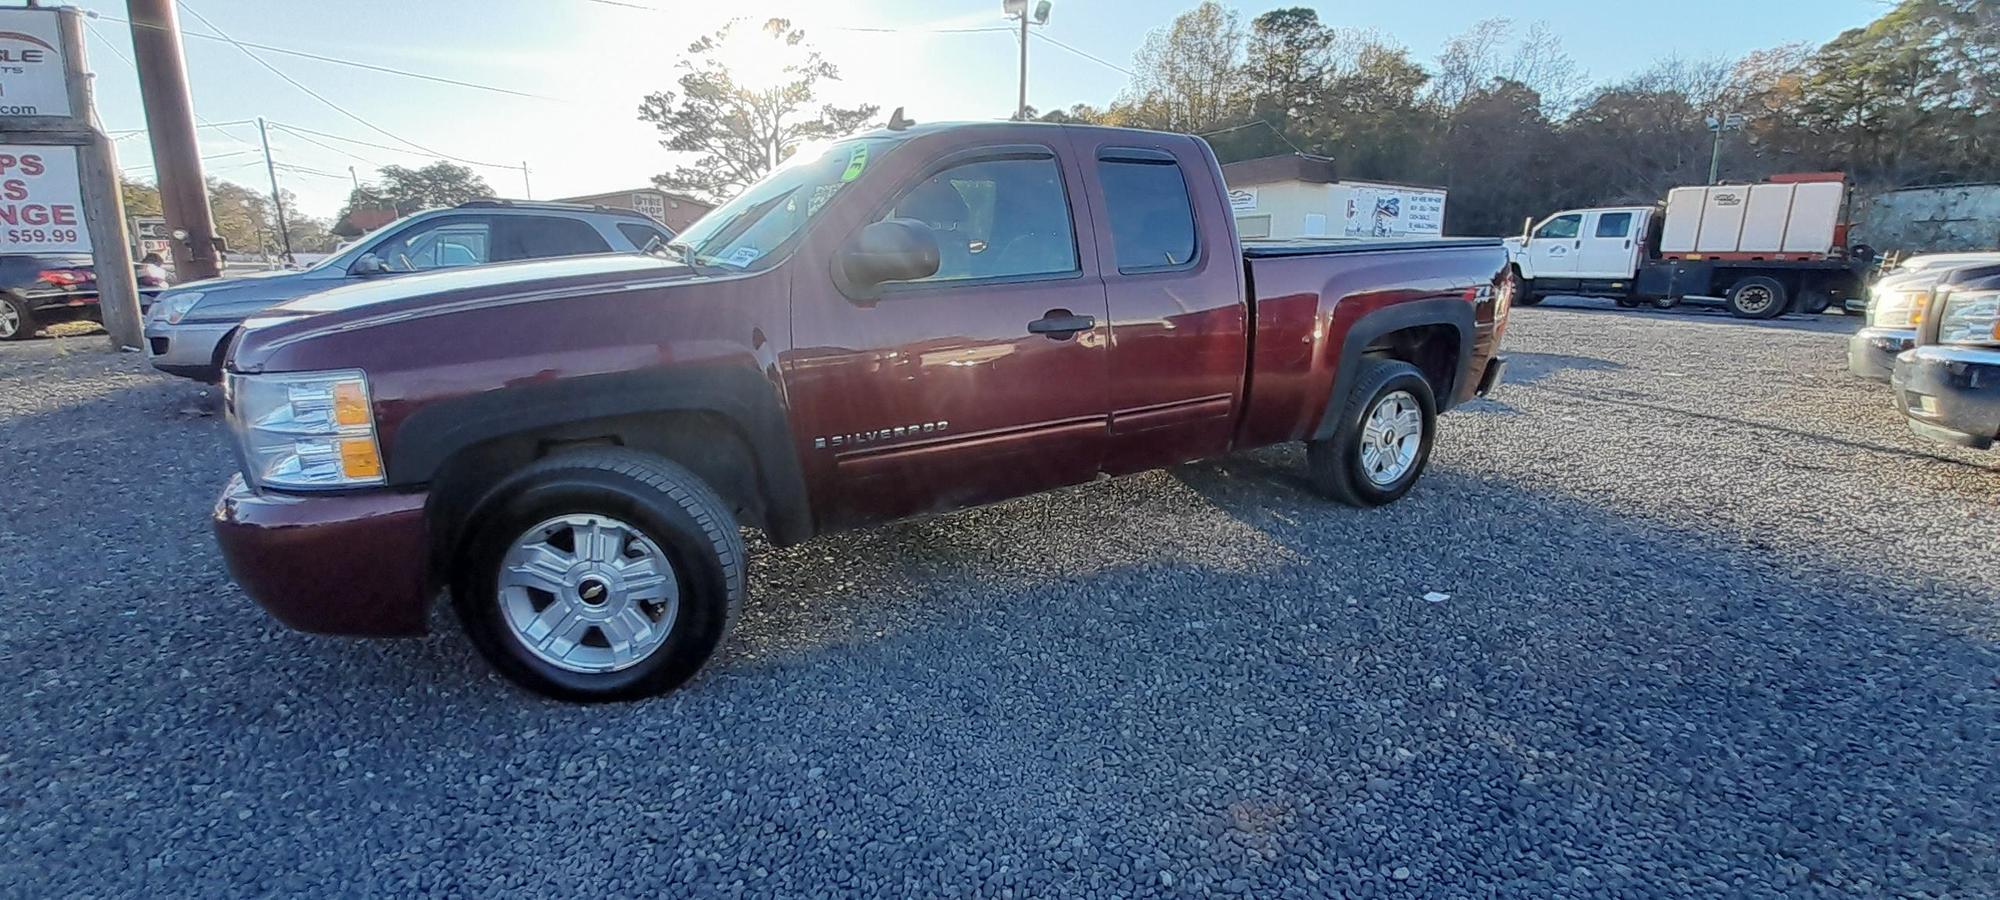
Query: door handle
(1579,243)
(1061,324)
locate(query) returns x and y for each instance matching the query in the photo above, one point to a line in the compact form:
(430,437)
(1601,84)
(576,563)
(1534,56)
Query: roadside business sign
(31,64)
(41,201)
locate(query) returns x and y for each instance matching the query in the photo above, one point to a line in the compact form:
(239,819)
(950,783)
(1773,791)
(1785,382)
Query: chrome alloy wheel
(10,320)
(588,593)
(1391,435)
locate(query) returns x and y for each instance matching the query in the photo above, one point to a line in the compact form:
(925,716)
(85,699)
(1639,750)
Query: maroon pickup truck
(909,321)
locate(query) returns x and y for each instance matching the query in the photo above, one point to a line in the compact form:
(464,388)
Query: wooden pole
(103,204)
(156,49)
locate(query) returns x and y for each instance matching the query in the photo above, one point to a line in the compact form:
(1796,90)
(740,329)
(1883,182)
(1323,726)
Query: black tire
(665,503)
(1335,465)
(17,321)
(1666,302)
(1626,302)
(1756,297)
(1813,303)
(1523,289)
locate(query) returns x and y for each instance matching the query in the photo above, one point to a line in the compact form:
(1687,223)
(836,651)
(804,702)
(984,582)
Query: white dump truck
(1759,249)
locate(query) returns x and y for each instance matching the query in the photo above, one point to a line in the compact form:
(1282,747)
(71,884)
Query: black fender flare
(738,394)
(1448,311)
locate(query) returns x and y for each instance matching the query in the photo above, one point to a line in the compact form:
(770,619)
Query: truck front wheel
(1756,297)
(600,575)
(1383,439)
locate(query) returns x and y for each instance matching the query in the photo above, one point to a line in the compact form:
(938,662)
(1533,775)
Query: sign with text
(41,201)
(31,64)
(1243,199)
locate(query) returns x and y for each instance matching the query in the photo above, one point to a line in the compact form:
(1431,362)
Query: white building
(1301,196)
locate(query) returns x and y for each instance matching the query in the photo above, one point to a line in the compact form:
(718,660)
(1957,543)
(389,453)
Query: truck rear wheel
(1756,297)
(600,575)
(1383,439)
(1524,289)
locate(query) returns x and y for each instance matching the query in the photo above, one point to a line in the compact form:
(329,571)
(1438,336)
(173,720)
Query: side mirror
(889,250)
(368,266)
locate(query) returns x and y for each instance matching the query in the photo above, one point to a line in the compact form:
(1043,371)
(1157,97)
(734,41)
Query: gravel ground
(1717,625)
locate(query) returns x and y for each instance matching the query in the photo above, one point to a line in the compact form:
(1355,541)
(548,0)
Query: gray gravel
(1717,625)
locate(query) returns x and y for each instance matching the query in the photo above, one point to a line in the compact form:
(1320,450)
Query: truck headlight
(304,430)
(171,308)
(1970,317)
(1898,309)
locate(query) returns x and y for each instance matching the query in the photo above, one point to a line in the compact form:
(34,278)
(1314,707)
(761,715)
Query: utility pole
(357,178)
(156,50)
(277,199)
(1019,9)
(525,186)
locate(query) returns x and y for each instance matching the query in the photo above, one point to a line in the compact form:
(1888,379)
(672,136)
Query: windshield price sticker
(855,163)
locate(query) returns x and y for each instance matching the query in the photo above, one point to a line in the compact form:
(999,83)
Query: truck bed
(1272,249)
(1309,299)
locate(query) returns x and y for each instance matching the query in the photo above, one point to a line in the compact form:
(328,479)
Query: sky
(589,62)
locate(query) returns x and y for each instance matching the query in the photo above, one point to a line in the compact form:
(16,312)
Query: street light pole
(1720,123)
(1040,14)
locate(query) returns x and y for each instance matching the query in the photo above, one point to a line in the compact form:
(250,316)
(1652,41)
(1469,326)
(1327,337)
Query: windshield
(747,232)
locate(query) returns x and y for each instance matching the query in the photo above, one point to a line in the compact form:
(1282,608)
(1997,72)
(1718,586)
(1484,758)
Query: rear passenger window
(540,237)
(1152,221)
(1614,225)
(996,218)
(642,235)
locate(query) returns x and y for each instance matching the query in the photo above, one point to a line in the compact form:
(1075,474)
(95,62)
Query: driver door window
(995,219)
(1560,227)
(445,244)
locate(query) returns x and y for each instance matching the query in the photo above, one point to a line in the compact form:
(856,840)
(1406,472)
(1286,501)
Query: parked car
(39,290)
(912,321)
(1897,303)
(190,326)
(1948,385)
(1858,305)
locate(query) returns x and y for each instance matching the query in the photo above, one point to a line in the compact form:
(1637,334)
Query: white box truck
(1759,249)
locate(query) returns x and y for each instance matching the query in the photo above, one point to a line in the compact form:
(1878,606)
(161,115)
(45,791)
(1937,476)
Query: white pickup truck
(1760,249)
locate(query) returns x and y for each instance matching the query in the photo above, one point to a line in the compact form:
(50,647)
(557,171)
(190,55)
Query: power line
(1252,124)
(641,7)
(203,159)
(322,98)
(372,67)
(1098,60)
(307,171)
(319,143)
(296,130)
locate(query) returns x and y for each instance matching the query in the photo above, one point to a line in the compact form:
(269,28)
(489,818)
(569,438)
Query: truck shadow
(1682,694)
(1823,323)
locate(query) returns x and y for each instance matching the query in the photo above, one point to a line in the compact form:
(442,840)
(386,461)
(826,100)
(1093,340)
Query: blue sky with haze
(596,59)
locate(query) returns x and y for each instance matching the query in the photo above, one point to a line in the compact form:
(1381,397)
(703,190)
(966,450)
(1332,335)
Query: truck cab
(1576,245)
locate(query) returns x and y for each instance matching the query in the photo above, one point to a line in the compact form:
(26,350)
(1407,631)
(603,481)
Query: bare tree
(1189,74)
(744,124)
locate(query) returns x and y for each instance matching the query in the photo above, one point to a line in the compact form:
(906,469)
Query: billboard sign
(31,64)
(41,201)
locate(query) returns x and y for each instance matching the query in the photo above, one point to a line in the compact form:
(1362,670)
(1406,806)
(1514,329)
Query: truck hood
(390,299)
